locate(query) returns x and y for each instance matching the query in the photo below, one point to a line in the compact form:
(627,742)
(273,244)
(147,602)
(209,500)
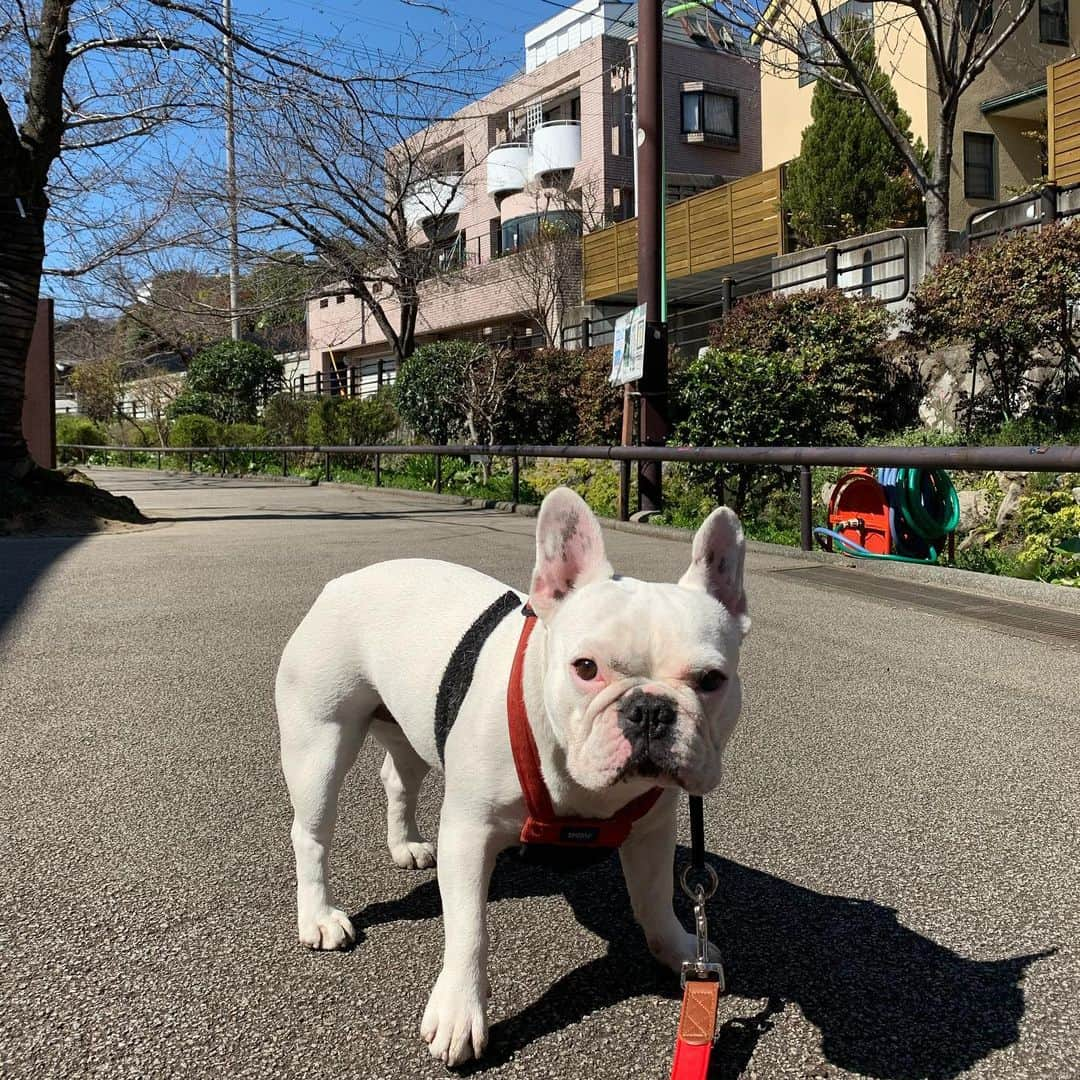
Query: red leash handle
(697,1027)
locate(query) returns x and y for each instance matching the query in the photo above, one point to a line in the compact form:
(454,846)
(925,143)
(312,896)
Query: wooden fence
(1063,126)
(731,224)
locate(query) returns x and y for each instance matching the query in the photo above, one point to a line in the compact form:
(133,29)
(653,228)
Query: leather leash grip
(697,1026)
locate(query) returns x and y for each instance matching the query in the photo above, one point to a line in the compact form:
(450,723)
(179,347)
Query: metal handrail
(1054,458)
(1060,458)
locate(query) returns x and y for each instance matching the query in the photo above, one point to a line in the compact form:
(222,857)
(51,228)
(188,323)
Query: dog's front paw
(455,1022)
(326,928)
(410,856)
(676,947)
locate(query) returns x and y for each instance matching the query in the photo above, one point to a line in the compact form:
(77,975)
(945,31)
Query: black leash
(697,832)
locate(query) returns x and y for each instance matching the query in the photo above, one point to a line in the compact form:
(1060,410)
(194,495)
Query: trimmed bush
(79,429)
(425,390)
(133,433)
(229,382)
(338,421)
(564,397)
(242,435)
(194,430)
(728,397)
(285,419)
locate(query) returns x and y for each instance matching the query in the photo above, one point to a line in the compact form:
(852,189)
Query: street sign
(628,350)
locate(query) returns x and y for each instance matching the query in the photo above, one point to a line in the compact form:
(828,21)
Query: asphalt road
(897,837)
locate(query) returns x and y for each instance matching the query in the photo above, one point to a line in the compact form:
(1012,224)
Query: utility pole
(651,201)
(230,172)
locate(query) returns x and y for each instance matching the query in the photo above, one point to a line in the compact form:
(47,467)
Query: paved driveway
(897,838)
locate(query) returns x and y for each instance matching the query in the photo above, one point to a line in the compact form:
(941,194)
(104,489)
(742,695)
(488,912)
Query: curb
(1017,590)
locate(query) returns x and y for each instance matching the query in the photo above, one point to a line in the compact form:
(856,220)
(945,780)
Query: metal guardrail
(1025,211)
(804,458)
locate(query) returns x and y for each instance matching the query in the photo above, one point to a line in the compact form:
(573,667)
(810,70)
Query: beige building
(557,143)
(996,154)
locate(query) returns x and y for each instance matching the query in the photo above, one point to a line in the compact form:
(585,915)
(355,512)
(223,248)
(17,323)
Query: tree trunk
(21,256)
(937,225)
(937,193)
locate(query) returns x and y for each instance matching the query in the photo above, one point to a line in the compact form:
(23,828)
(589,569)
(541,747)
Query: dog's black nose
(643,713)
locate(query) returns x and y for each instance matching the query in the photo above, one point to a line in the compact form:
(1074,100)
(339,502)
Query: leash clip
(701,968)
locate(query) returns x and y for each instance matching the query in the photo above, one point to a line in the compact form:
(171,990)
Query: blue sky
(379,25)
(368,28)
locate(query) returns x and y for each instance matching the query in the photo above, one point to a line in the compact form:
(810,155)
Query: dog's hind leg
(321,734)
(402,773)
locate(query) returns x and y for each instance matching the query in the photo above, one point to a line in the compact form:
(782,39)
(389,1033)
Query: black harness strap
(457,678)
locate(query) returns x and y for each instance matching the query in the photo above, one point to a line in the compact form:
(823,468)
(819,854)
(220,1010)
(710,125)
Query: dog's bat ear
(569,550)
(716,563)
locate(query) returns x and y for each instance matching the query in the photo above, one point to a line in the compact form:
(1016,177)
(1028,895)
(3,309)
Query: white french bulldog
(628,685)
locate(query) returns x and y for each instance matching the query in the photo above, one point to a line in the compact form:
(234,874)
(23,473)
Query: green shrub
(1012,303)
(229,382)
(337,421)
(597,482)
(194,430)
(728,397)
(1048,524)
(285,419)
(242,435)
(564,397)
(840,342)
(426,390)
(79,429)
(133,433)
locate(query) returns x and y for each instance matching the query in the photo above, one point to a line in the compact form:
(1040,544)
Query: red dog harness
(703,982)
(542,826)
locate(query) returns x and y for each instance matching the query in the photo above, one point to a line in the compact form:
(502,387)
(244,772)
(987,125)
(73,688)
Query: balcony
(507,168)
(556,145)
(437,197)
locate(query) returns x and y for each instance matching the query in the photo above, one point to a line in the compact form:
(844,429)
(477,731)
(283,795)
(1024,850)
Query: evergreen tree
(849,179)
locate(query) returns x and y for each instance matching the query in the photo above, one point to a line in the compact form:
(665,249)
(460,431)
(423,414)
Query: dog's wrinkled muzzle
(647,720)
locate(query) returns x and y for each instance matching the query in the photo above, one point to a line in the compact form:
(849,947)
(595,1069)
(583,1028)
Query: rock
(974,509)
(1009,503)
(1007,479)
(974,541)
(1076,494)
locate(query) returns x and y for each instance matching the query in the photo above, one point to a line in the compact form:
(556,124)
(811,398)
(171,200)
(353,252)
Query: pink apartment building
(554,142)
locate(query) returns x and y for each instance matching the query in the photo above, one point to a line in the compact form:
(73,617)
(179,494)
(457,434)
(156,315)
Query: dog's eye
(585,668)
(711,680)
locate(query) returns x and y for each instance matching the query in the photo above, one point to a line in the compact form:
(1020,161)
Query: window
(1053,22)
(324,302)
(340,298)
(976,10)
(811,36)
(622,204)
(519,231)
(711,114)
(623,128)
(979,179)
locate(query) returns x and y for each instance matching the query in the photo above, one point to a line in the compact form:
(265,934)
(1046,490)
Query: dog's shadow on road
(888,1001)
